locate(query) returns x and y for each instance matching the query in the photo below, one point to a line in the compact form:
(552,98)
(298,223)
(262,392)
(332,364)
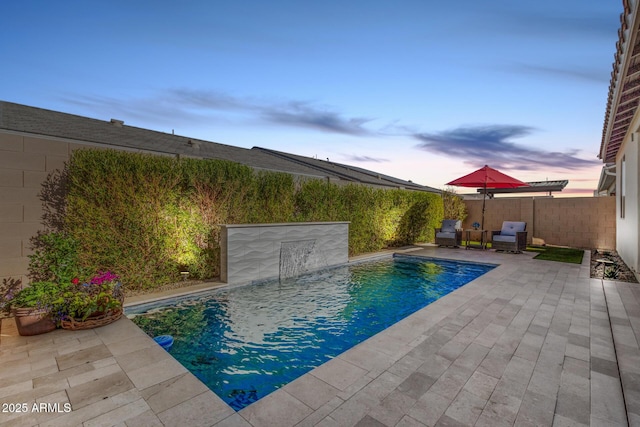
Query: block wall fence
(25,163)
(579,222)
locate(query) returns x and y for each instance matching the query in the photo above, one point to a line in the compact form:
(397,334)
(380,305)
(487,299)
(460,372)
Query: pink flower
(103,277)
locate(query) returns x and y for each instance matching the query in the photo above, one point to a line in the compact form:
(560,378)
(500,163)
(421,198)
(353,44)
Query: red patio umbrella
(484,178)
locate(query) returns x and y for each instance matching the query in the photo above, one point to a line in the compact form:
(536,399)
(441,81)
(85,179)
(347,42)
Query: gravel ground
(624,273)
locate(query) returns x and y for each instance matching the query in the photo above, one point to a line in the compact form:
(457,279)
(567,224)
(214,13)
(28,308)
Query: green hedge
(379,218)
(148,217)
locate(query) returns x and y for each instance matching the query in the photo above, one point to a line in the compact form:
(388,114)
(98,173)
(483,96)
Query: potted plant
(32,307)
(41,306)
(57,296)
(54,258)
(91,303)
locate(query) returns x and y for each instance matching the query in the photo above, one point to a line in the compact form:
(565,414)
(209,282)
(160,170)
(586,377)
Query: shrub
(55,257)
(420,219)
(454,206)
(8,290)
(150,217)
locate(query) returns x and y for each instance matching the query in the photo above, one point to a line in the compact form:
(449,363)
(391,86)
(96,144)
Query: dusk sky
(422,90)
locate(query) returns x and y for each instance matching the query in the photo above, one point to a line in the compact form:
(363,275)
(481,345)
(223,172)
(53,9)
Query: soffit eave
(624,88)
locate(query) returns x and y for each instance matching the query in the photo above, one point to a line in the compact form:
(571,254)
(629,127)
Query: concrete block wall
(585,222)
(252,252)
(25,162)
(495,210)
(581,222)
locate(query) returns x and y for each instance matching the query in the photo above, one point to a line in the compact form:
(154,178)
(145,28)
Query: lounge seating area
(450,233)
(512,237)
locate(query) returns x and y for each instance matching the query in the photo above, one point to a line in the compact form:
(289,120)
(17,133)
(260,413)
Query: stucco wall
(628,240)
(581,222)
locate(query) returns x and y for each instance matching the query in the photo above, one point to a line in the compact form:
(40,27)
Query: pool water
(245,342)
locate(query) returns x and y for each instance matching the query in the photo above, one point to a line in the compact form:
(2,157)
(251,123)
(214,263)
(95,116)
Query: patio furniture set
(512,237)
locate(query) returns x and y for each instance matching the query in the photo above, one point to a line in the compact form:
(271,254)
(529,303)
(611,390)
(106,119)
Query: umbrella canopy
(484,178)
(487,177)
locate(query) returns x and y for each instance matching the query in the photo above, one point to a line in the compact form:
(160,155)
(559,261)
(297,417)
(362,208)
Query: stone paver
(529,343)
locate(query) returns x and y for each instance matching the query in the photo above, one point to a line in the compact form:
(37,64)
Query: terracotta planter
(33,321)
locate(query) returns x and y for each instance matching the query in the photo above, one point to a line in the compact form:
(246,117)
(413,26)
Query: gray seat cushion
(450,225)
(446,234)
(502,238)
(510,228)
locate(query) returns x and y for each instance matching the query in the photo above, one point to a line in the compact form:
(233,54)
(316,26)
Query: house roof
(607,181)
(534,187)
(348,172)
(624,87)
(38,121)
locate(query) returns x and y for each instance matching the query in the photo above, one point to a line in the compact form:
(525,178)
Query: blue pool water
(248,341)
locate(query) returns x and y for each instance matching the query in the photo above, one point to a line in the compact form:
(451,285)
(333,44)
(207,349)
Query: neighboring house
(619,148)
(34,142)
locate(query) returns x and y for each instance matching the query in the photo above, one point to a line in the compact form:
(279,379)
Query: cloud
(358,158)
(574,72)
(209,100)
(475,145)
(187,106)
(480,145)
(304,114)
(159,110)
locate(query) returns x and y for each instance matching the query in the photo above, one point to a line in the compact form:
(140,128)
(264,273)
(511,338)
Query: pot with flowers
(91,303)
(42,306)
(30,306)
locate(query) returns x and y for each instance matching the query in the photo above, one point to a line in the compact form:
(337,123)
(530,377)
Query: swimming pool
(245,342)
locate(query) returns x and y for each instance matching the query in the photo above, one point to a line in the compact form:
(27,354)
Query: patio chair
(512,237)
(450,234)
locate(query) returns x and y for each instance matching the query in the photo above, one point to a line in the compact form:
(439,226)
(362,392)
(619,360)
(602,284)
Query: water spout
(296,257)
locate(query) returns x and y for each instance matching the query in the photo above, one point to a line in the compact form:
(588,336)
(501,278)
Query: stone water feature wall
(253,252)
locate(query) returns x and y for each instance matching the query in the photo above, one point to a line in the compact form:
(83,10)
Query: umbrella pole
(484,198)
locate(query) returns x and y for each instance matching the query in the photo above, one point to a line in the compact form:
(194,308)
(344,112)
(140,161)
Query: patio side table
(483,238)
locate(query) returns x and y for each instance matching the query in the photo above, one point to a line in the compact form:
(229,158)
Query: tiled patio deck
(529,343)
